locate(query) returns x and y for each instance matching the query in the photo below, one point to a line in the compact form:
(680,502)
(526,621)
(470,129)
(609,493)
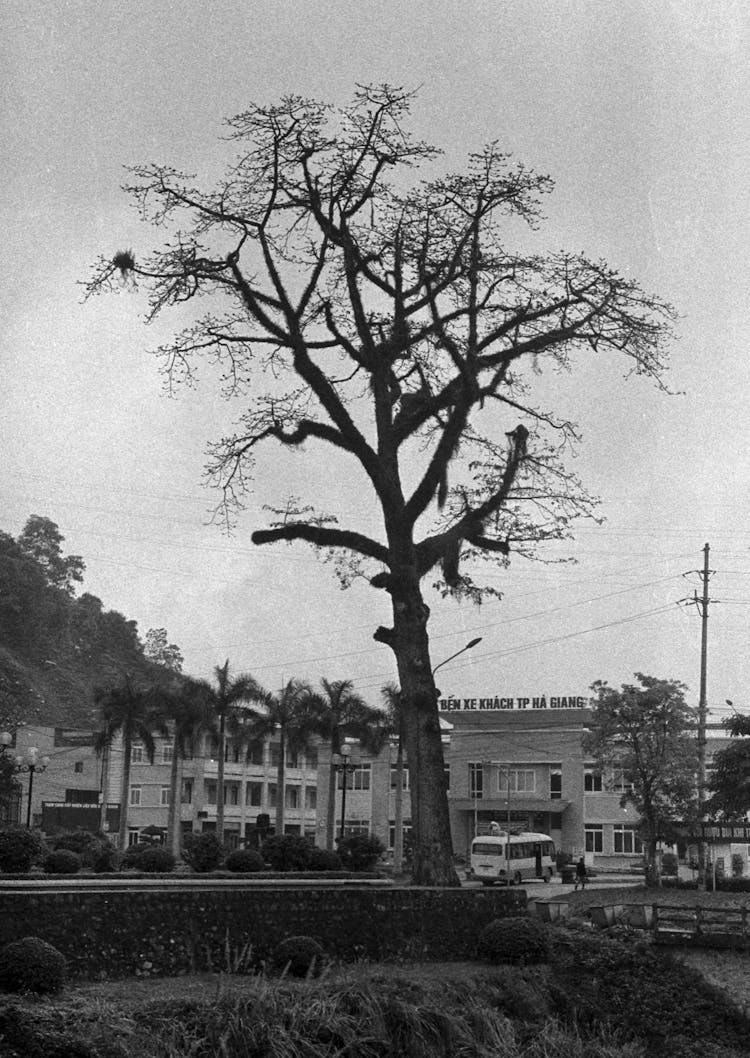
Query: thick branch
(322,536)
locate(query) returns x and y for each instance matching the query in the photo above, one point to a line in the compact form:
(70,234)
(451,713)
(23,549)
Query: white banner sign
(462,705)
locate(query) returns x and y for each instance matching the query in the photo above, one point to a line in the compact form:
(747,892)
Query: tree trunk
(127,749)
(433,850)
(331,807)
(653,866)
(106,751)
(280,774)
(220,777)
(175,791)
(398,810)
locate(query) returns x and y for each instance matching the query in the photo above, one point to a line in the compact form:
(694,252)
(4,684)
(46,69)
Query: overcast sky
(638,110)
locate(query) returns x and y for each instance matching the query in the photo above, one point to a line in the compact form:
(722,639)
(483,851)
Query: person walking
(580,874)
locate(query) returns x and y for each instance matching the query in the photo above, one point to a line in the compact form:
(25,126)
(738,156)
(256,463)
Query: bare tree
(400,333)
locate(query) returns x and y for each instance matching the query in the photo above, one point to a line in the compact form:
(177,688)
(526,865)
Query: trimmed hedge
(32,965)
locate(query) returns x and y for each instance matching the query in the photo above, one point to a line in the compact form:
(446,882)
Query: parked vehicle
(508,859)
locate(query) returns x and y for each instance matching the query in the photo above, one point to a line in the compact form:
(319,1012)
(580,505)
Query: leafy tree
(729,779)
(42,540)
(343,714)
(158,649)
(648,733)
(293,714)
(223,701)
(401,333)
(10,789)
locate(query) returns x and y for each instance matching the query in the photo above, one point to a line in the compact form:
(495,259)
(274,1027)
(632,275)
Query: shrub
(298,956)
(324,860)
(62,861)
(360,852)
(95,850)
(203,852)
(31,965)
(20,849)
(286,852)
(131,857)
(155,860)
(515,939)
(244,861)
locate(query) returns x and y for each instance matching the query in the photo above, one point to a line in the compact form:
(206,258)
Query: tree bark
(175,791)
(127,749)
(280,774)
(398,810)
(433,861)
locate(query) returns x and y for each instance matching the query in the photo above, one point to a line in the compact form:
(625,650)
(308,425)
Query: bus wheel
(517,878)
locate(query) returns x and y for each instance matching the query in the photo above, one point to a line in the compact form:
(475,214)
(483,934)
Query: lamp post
(472,643)
(6,740)
(342,762)
(31,763)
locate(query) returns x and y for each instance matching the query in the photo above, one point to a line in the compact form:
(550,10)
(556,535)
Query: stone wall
(122,934)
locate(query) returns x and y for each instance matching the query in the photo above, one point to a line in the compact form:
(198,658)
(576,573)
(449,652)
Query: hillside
(57,647)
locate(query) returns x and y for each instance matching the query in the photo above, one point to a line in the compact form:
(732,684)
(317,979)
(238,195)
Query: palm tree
(391,695)
(291,712)
(343,714)
(188,714)
(223,702)
(131,712)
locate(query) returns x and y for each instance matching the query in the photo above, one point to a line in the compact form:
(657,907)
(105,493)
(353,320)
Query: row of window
(624,838)
(233,754)
(524,781)
(517,780)
(257,795)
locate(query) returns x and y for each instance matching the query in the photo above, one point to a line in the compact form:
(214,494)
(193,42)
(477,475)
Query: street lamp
(6,740)
(469,645)
(342,762)
(31,763)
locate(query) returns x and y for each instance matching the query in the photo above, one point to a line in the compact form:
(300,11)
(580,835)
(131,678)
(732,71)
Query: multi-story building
(518,762)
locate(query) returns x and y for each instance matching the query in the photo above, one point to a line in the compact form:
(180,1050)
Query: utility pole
(702,605)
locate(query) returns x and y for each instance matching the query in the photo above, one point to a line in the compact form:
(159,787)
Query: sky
(638,111)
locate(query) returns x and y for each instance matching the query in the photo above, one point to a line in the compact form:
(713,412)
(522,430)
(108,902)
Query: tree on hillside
(224,700)
(344,714)
(291,713)
(160,651)
(42,540)
(729,777)
(399,333)
(647,734)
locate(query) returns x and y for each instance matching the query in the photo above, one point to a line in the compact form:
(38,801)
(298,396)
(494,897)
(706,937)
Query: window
(592,781)
(593,837)
(187,792)
(133,836)
(232,753)
(405,830)
(78,767)
(404,779)
(311,797)
(476,780)
(625,836)
(618,783)
(136,753)
(167,752)
(356,827)
(211,793)
(292,759)
(522,780)
(311,757)
(254,794)
(255,753)
(165,792)
(555,784)
(361,779)
(275,754)
(272,795)
(135,795)
(231,793)
(291,797)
